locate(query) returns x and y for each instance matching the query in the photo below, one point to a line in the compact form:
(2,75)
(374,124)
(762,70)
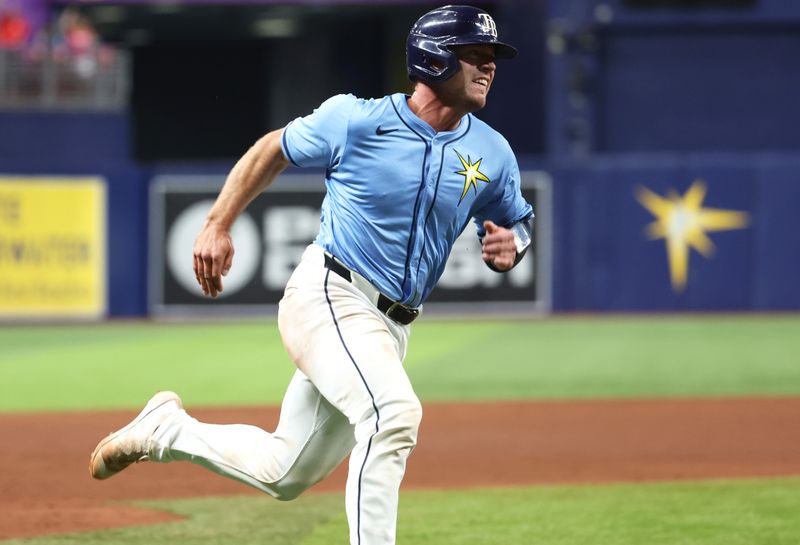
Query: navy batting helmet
(428,54)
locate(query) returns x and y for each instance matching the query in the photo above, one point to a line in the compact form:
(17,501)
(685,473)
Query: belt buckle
(399,306)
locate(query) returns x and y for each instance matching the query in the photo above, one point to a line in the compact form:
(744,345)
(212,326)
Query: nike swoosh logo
(379,131)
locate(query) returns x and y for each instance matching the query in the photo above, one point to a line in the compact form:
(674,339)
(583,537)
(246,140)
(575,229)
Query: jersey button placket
(431,176)
(410,281)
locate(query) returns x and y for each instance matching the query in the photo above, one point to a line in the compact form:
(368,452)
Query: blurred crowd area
(53,57)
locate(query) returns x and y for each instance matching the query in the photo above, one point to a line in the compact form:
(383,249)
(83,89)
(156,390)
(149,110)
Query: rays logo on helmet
(487,24)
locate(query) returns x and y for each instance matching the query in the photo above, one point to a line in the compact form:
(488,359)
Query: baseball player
(404,176)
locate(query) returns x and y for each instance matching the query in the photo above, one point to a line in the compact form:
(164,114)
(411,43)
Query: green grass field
(747,512)
(119,365)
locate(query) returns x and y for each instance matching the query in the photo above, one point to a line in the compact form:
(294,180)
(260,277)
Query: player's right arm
(252,174)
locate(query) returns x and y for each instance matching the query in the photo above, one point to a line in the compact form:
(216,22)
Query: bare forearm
(251,175)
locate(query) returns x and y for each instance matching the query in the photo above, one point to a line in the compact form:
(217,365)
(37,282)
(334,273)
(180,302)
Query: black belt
(394,310)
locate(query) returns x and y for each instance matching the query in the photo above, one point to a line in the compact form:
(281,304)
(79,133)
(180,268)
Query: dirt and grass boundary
(45,487)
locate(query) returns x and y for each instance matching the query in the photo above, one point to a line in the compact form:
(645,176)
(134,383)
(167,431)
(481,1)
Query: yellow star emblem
(683,223)
(471,175)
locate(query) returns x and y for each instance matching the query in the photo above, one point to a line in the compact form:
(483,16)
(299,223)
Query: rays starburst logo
(683,223)
(471,174)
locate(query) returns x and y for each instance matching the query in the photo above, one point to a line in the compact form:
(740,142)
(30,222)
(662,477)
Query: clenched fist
(499,248)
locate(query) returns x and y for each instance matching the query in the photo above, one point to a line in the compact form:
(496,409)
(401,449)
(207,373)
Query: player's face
(469,86)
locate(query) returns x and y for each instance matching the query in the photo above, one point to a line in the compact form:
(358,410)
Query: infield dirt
(45,485)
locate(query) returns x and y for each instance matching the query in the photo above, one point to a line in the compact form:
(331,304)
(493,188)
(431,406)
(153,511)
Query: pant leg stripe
(372,398)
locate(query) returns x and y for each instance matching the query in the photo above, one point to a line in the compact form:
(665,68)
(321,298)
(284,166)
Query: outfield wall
(731,222)
(738,223)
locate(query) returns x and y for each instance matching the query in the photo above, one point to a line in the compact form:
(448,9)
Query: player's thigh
(345,348)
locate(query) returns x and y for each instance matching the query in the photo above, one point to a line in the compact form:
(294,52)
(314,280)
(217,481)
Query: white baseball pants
(350,393)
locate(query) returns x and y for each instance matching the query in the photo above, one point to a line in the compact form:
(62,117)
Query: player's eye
(476,56)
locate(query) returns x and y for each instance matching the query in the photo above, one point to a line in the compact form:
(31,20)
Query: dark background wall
(606,97)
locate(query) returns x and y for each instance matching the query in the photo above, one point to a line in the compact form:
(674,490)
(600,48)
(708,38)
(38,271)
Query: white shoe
(131,443)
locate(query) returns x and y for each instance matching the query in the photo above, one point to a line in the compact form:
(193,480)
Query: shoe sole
(97,466)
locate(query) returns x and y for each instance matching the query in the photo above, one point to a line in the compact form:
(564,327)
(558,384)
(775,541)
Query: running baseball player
(404,177)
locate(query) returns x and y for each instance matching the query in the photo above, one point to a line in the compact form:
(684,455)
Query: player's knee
(290,484)
(288,495)
(402,420)
(413,414)
(287,491)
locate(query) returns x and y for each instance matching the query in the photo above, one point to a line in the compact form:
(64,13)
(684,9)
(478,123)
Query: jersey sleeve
(317,140)
(507,207)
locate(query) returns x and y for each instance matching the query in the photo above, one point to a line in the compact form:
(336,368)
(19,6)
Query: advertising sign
(272,233)
(52,247)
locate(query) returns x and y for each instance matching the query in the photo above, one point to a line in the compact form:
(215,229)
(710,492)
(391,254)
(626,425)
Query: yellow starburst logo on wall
(471,175)
(683,223)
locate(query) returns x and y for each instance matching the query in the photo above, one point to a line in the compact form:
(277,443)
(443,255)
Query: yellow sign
(52,247)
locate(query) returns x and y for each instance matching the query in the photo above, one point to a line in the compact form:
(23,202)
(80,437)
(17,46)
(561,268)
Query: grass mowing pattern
(751,512)
(239,363)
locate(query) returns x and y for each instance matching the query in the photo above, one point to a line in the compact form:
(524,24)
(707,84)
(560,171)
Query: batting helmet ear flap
(428,54)
(429,60)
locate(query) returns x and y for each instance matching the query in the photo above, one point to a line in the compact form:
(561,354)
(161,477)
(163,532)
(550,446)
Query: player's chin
(477,101)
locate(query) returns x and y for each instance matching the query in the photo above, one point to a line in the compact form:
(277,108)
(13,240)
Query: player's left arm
(505,222)
(504,247)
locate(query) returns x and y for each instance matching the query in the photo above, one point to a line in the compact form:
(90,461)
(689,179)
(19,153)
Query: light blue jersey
(398,193)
